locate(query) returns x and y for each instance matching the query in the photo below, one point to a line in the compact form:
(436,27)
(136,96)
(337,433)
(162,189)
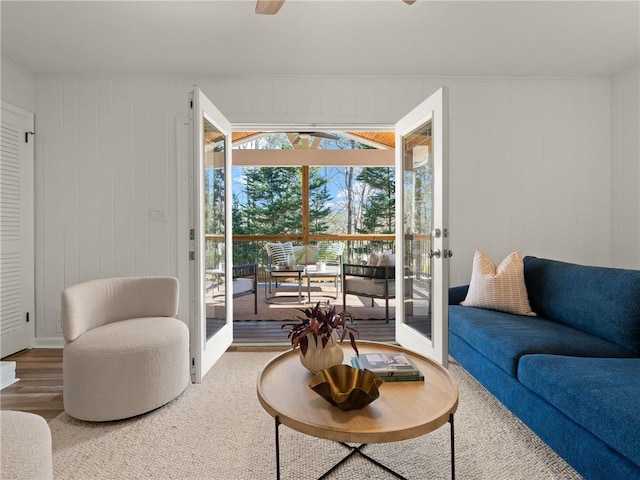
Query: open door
(211,314)
(422,237)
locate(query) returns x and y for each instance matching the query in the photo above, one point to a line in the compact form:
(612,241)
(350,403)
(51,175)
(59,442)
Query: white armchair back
(94,303)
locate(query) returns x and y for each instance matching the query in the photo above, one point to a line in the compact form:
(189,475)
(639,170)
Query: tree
(379,205)
(274,198)
(214,200)
(319,210)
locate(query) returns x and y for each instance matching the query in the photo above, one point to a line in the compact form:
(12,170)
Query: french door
(210,309)
(422,236)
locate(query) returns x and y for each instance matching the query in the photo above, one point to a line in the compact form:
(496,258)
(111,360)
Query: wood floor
(40,387)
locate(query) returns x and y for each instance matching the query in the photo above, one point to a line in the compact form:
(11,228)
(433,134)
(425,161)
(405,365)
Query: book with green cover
(396,367)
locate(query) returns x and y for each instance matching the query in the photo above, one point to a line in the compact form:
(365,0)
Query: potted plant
(324,255)
(318,334)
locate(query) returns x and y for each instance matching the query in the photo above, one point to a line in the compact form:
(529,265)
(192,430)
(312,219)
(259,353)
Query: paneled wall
(529,164)
(625,168)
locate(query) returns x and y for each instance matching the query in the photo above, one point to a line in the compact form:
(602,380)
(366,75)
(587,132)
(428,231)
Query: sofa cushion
(498,287)
(242,285)
(601,394)
(503,337)
(602,301)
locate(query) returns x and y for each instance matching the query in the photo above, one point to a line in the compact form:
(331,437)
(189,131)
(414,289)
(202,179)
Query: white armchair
(125,353)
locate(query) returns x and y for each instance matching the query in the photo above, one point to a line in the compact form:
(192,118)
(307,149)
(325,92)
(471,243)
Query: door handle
(445,254)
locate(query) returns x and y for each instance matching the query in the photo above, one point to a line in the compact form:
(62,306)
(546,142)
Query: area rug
(288,307)
(218,430)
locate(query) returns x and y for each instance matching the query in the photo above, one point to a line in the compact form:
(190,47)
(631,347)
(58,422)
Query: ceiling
(307,37)
(379,139)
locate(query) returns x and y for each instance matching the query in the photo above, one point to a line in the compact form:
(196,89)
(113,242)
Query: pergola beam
(314,158)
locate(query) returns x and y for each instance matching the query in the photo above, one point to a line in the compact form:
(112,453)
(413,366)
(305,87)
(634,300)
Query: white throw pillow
(498,288)
(384,260)
(279,252)
(387,260)
(306,254)
(374,257)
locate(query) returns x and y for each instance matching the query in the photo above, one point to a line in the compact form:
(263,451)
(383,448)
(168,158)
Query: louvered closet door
(16,230)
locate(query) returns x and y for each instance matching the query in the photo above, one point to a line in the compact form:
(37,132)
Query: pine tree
(274,200)
(319,196)
(379,206)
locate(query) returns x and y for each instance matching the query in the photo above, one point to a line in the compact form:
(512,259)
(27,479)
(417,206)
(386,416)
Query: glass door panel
(211,308)
(418,225)
(215,281)
(421,230)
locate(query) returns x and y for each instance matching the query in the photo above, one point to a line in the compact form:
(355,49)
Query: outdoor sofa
(571,373)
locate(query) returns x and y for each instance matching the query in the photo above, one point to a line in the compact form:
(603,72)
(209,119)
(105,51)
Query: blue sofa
(572,373)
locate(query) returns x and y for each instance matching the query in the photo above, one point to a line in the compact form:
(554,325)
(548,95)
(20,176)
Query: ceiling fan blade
(268,7)
(322,135)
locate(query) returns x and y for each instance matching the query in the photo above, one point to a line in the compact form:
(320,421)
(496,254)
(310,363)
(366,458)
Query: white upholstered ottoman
(26,446)
(125,353)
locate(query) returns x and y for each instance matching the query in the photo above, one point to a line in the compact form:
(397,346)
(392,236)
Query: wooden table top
(403,410)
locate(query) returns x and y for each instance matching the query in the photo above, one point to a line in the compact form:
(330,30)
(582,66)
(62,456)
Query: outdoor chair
(245,282)
(369,281)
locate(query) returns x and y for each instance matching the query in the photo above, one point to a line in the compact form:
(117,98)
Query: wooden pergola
(305,153)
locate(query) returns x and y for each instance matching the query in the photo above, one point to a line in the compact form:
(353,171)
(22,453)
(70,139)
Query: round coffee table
(404,410)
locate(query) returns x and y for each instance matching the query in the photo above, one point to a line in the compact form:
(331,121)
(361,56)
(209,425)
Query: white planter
(321,267)
(318,358)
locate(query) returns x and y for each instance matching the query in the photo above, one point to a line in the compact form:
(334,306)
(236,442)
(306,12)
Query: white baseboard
(48,342)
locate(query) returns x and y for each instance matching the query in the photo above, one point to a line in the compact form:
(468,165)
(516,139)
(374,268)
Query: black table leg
(358,450)
(453,456)
(277,448)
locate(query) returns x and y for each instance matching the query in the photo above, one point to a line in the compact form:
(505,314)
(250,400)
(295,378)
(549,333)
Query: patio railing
(250,249)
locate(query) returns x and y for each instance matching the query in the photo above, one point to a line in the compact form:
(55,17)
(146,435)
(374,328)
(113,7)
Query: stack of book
(391,367)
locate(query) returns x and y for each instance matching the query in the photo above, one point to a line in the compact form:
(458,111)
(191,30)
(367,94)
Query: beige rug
(218,430)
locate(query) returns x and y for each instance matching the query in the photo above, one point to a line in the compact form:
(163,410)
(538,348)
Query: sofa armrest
(458,294)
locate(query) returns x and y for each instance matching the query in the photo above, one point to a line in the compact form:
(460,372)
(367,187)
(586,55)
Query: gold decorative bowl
(346,387)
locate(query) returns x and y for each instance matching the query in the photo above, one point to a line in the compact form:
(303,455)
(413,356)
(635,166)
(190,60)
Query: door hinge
(192,255)
(192,234)
(27,317)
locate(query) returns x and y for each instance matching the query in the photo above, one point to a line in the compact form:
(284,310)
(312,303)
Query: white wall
(529,164)
(17,86)
(625,168)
